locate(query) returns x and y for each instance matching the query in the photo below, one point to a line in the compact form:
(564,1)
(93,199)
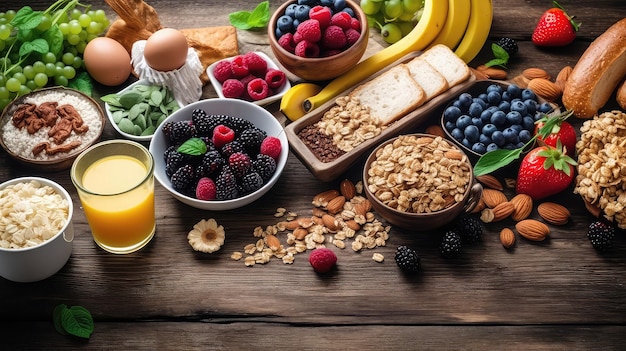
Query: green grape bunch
(45,48)
(393,18)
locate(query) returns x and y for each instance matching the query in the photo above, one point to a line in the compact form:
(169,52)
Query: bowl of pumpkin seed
(136,111)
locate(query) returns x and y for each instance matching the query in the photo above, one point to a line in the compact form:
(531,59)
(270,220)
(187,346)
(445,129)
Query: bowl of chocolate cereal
(48,128)
(420,182)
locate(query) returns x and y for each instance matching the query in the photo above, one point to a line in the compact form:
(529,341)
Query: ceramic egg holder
(184,82)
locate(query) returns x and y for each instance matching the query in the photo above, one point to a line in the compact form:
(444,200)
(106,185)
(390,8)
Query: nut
(300,233)
(493,197)
(479,206)
(545,88)
(523,204)
(532,229)
(321,199)
(435,130)
(490,182)
(272,242)
(563,74)
(533,72)
(454,155)
(330,222)
(347,189)
(553,213)
(507,238)
(520,81)
(336,204)
(502,211)
(363,207)
(478,74)
(492,72)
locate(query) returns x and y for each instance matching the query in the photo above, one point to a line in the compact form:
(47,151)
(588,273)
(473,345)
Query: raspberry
(342,20)
(256,64)
(297,37)
(271,146)
(205,190)
(222,71)
(258,89)
(352,36)
(287,43)
(240,164)
(239,67)
(275,78)
(307,49)
(322,259)
(250,183)
(232,88)
(334,38)
(265,166)
(322,14)
(222,135)
(355,24)
(310,30)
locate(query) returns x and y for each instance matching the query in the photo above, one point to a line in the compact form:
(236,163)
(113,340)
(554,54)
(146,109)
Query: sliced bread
(446,62)
(390,95)
(433,82)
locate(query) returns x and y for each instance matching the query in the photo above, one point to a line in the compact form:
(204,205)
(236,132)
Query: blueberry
(472,133)
(457,134)
(477,122)
(339,5)
(498,118)
(498,138)
(492,147)
(514,117)
(524,136)
(493,109)
(349,11)
(458,104)
(514,90)
(528,123)
(480,101)
(450,125)
(483,97)
(520,145)
(506,96)
(484,139)
(327,3)
(504,106)
(296,23)
(544,107)
(466,143)
(519,106)
(510,146)
(302,12)
(510,135)
(479,148)
(517,127)
(488,129)
(494,98)
(465,99)
(494,87)
(291,10)
(285,23)
(452,113)
(485,116)
(463,121)
(528,94)
(307,2)
(475,109)
(531,106)
(278,33)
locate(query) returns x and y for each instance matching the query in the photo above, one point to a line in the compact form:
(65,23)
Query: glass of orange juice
(115,183)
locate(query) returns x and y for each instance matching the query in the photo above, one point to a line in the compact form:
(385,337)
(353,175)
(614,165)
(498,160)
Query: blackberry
(450,244)
(179,131)
(201,121)
(183,179)
(470,228)
(239,124)
(231,147)
(167,151)
(216,120)
(174,161)
(240,164)
(265,166)
(226,185)
(601,235)
(212,163)
(251,139)
(250,183)
(509,45)
(407,259)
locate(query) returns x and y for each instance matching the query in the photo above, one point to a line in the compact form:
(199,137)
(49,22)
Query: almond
(479,206)
(493,197)
(507,238)
(490,182)
(453,155)
(321,199)
(435,130)
(563,74)
(330,222)
(335,205)
(272,242)
(593,209)
(478,74)
(300,233)
(492,72)
(291,225)
(545,88)
(363,207)
(553,213)
(532,229)
(318,212)
(523,204)
(502,211)
(520,81)
(352,224)
(305,222)
(533,72)
(347,189)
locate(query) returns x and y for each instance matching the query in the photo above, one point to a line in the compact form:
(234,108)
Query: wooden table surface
(559,294)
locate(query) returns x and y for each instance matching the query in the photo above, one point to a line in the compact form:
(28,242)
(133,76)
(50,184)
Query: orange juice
(119,205)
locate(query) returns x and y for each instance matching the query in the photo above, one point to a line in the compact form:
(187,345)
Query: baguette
(597,73)
(620,95)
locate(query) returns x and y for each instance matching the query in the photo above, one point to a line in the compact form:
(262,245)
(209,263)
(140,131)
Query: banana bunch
(462,25)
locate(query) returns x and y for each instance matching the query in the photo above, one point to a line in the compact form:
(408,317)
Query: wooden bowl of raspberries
(318,40)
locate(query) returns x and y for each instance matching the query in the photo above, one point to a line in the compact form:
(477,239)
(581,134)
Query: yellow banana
(297,92)
(456,23)
(481,16)
(429,25)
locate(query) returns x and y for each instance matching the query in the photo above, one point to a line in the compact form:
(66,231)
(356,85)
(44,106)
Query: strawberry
(545,171)
(561,131)
(555,28)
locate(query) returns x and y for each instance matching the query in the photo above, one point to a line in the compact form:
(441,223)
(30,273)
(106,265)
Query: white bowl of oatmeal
(48,128)
(36,230)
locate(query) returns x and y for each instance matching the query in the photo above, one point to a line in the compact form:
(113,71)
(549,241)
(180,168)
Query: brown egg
(107,61)
(166,50)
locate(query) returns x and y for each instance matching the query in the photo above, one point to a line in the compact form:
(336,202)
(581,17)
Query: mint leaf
(83,83)
(246,20)
(501,56)
(38,45)
(56,318)
(75,320)
(193,146)
(26,18)
(240,19)
(496,159)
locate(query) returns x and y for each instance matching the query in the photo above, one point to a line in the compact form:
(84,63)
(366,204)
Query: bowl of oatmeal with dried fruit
(36,230)
(420,182)
(48,128)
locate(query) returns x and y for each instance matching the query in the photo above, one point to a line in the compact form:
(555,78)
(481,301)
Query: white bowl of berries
(219,154)
(252,76)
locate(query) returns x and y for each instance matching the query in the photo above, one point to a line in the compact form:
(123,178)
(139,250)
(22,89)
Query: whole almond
(330,222)
(493,197)
(534,72)
(300,233)
(321,199)
(502,211)
(435,130)
(347,189)
(291,225)
(545,88)
(553,213)
(352,224)
(272,242)
(453,155)
(336,204)
(478,74)
(479,206)
(564,74)
(363,207)
(507,238)
(318,212)
(492,72)
(523,204)
(490,181)
(532,229)
(520,81)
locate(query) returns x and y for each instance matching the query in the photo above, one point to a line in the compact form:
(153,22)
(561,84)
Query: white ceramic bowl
(270,64)
(110,115)
(44,260)
(260,117)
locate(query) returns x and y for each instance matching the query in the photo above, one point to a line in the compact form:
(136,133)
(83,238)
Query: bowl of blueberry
(219,154)
(318,40)
(492,115)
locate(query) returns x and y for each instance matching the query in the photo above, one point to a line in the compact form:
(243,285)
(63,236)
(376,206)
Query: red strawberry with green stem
(545,171)
(555,28)
(561,130)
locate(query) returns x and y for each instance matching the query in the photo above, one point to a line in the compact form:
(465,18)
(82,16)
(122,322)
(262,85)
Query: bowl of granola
(48,128)
(420,182)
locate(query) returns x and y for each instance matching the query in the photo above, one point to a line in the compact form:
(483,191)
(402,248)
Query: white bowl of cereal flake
(48,128)
(39,213)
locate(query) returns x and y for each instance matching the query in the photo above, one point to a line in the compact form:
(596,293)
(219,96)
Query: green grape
(31,85)
(67,58)
(75,13)
(99,16)
(39,67)
(58,71)
(393,9)
(13,85)
(78,62)
(84,20)
(3,20)
(94,28)
(64,28)
(75,27)
(406,17)
(91,37)
(21,77)
(5,31)
(23,90)
(41,79)
(2,45)
(45,24)
(9,15)
(73,39)
(69,72)
(370,7)
(4,103)
(391,32)
(412,5)
(4,92)
(83,35)
(61,80)
(51,69)
(80,48)
(3,80)
(405,27)
(49,58)
(29,71)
